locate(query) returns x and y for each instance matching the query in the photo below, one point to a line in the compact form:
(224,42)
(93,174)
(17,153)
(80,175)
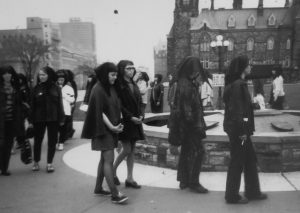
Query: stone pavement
(69,189)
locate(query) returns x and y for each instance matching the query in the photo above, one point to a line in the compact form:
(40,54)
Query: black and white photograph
(153,106)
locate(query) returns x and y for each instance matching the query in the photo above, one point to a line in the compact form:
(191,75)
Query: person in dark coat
(190,126)
(10,115)
(91,81)
(157,95)
(102,125)
(131,102)
(172,89)
(239,126)
(46,112)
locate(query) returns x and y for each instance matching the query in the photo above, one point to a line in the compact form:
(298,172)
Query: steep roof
(218,19)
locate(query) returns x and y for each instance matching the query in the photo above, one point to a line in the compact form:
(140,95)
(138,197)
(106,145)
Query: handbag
(26,152)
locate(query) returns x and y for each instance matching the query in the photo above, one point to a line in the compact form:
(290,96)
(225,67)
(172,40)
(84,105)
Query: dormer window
(288,44)
(250,44)
(270,44)
(204,43)
(251,21)
(231,21)
(231,45)
(272,20)
(186,2)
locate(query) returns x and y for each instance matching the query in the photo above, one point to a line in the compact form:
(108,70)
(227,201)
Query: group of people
(48,105)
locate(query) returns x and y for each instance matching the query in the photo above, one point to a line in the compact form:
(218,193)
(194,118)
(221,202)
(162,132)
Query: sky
(131,34)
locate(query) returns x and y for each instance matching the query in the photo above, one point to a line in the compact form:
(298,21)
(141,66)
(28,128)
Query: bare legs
(127,151)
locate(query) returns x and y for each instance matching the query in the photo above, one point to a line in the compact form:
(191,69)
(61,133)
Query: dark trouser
(190,160)
(243,158)
(5,148)
(278,104)
(63,130)
(143,108)
(39,132)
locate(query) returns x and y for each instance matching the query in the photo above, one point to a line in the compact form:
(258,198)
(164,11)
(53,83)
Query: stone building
(266,35)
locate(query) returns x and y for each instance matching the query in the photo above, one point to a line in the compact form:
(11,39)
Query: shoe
(102,192)
(199,189)
(119,199)
(183,185)
(242,200)
(35,167)
(50,168)
(60,147)
(116,181)
(261,196)
(132,184)
(6,173)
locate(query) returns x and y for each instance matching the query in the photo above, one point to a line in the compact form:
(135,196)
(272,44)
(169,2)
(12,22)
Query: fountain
(276,141)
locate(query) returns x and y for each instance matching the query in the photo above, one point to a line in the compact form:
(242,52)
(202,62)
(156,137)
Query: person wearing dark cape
(189,126)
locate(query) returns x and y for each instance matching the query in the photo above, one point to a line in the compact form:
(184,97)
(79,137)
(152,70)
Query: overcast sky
(131,34)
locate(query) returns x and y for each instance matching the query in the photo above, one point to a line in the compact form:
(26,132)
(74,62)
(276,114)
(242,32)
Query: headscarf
(236,68)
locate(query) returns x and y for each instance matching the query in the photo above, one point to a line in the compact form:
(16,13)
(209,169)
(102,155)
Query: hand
(243,138)
(136,120)
(30,125)
(158,103)
(61,123)
(117,129)
(174,150)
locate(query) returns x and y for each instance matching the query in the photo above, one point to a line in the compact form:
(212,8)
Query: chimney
(287,3)
(212,6)
(260,8)
(237,4)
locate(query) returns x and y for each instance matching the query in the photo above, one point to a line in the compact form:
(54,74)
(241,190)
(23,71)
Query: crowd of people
(116,103)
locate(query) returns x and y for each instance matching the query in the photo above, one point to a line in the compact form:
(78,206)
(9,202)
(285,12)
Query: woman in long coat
(102,125)
(10,115)
(157,95)
(239,126)
(131,102)
(189,126)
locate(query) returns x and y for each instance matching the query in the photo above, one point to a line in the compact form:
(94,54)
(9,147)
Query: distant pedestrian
(102,125)
(277,93)
(11,122)
(172,89)
(47,112)
(130,96)
(188,126)
(239,126)
(157,95)
(142,83)
(68,98)
(207,93)
(71,83)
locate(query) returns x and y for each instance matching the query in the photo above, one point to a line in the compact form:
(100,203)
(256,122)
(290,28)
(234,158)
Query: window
(205,62)
(287,62)
(270,44)
(186,2)
(231,21)
(250,44)
(231,45)
(251,21)
(204,46)
(271,20)
(288,44)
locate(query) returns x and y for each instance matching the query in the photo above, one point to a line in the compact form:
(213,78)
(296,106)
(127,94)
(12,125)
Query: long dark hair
(144,76)
(121,73)
(102,74)
(236,68)
(52,77)
(278,70)
(14,77)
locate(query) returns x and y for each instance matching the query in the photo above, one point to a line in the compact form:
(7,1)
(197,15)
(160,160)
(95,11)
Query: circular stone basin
(276,140)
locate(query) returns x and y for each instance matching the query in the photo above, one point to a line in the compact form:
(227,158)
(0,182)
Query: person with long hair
(157,95)
(102,125)
(277,91)
(172,89)
(47,113)
(133,131)
(10,115)
(142,83)
(68,97)
(189,127)
(239,126)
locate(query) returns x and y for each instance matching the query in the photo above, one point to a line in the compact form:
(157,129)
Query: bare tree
(28,49)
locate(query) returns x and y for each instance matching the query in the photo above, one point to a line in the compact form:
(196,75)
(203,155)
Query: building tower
(187,8)
(237,4)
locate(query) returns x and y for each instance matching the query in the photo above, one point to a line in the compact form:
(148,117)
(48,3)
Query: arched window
(204,46)
(186,2)
(231,45)
(287,61)
(251,21)
(250,44)
(288,44)
(271,20)
(231,21)
(270,44)
(205,62)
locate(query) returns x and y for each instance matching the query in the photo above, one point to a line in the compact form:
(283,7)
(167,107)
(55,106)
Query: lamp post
(220,46)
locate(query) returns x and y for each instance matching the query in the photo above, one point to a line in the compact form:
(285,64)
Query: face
(60,81)
(112,76)
(273,72)
(7,77)
(247,70)
(43,76)
(129,71)
(170,77)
